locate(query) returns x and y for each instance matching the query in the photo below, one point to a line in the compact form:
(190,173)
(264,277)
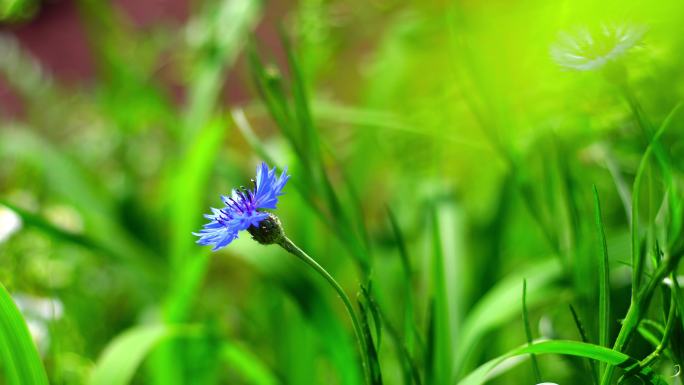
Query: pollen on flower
(243,209)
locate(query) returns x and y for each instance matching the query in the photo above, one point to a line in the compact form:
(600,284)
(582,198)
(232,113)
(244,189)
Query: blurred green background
(438,154)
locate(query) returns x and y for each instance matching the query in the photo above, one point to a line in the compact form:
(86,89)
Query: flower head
(243,208)
(589,50)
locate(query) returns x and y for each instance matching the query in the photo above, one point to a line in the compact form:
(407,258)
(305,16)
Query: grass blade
(410,335)
(368,307)
(121,358)
(501,304)
(18,355)
(583,336)
(571,348)
(69,181)
(442,337)
(248,365)
(604,276)
(654,146)
(228,24)
(37,222)
(528,333)
(189,263)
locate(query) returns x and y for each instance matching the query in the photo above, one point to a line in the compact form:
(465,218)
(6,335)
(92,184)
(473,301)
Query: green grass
(458,187)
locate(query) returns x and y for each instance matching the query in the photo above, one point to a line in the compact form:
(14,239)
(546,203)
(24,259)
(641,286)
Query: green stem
(669,326)
(638,307)
(528,334)
(288,245)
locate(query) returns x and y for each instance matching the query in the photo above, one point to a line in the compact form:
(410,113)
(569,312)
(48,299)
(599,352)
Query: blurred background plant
(441,153)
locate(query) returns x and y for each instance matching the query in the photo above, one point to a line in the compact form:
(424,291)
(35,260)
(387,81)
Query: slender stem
(528,334)
(669,326)
(288,245)
(638,307)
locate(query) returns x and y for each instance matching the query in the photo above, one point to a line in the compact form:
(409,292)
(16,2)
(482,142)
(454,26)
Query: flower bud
(268,231)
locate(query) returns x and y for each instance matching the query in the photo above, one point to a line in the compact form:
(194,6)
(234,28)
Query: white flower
(10,223)
(39,312)
(588,50)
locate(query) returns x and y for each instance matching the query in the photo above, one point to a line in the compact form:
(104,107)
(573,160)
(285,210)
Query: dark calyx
(269,231)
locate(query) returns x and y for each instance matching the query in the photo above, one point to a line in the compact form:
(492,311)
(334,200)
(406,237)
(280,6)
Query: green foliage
(571,348)
(445,170)
(125,353)
(20,362)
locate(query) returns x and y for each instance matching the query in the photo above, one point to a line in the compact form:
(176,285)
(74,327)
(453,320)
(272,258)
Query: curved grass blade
(665,163)
(675,203)
(248,365)
(122,357)
(75,186)
(502,303)
(19,358)
(571,348)
(51,230)
(648,335)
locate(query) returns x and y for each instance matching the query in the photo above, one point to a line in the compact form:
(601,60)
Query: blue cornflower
(243,210)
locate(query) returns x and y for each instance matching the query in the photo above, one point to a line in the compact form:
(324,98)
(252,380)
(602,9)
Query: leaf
(187,195)
(122,357)
(296,124)
(248,364)
(309,135)
(583,336)
(442,321)
(409,329)
(48,228)
(225,26)
(501,304)
(528,332)
(18,355)
(604,276)
(68,180)
(570,348)
(654,146)
(366,308)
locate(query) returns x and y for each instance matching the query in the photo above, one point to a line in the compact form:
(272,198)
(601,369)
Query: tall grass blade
(409,328)
(604,276)
(308,133)
(188,263)
(654,146)
(368,308)
(501,304)
(528,333)
(443,336)
(294,120)
(248,365)
(20,363)
(121,358)
(226,25)
(583,336)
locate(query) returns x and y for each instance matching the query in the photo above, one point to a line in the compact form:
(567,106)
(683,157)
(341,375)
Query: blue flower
(243,208)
